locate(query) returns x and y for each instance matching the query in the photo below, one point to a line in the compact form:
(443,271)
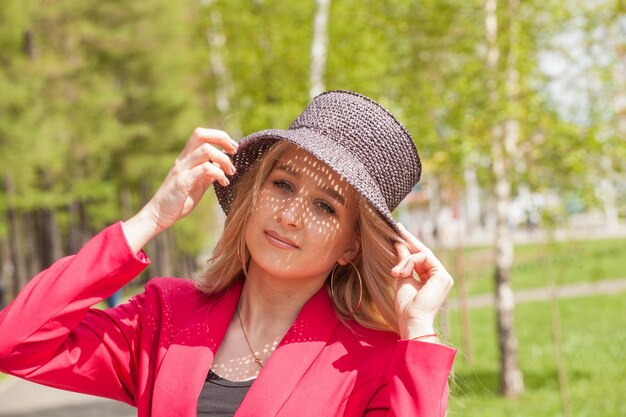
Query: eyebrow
(327,190)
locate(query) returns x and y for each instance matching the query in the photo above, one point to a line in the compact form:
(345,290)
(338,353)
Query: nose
(291,213)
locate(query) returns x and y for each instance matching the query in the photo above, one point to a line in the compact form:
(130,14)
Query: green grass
(564,262)
(594,345)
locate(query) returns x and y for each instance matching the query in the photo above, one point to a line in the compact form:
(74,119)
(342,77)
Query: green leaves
(107,92)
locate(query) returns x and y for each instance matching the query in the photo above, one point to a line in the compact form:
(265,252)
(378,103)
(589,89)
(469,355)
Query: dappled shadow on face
(308,203)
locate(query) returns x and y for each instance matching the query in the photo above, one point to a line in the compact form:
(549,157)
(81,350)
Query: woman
(310,306)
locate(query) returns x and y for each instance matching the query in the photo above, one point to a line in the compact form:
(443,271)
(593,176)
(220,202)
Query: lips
(279,240)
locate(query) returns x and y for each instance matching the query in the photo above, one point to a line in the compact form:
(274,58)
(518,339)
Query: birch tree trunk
(472,200)
(319,48)
(503,139)
(216,40)
(619,69)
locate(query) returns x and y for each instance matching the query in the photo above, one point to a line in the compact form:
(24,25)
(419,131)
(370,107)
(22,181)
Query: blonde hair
(375,259)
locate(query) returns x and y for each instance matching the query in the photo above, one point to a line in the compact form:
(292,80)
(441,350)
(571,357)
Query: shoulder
(174,296)
(170,285)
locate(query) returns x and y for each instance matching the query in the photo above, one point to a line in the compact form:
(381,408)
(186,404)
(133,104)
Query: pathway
(583,289)
(19,398)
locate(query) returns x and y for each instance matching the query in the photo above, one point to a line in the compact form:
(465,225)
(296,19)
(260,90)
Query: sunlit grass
(562,262)
(594,337)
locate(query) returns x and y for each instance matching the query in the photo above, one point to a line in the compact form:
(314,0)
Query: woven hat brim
(253,146)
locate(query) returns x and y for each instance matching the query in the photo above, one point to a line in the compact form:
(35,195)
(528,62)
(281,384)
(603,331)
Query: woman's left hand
(418,299)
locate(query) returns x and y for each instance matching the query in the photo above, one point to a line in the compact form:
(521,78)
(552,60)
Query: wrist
(430,337)
(416,328)
(140,229)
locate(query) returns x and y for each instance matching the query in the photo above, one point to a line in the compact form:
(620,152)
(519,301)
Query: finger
(403,268)
(412,242)
(417,246)
(427,266)
(402,250)
(208,153)
(403,258)
(213,136)
(206,173)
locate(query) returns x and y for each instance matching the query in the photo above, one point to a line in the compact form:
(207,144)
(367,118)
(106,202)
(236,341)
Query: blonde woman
(315,303)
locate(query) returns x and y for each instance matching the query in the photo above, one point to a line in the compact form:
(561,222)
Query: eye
(283,185)
(324,206)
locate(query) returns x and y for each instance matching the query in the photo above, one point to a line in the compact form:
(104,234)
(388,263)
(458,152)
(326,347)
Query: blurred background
(518,109)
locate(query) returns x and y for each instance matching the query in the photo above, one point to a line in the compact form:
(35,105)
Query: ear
(351,251)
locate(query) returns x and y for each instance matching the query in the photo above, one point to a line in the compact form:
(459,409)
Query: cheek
(332,237)
(323,228)
(264,207)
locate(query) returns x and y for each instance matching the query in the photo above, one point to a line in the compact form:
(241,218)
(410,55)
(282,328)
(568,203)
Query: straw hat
(352,134)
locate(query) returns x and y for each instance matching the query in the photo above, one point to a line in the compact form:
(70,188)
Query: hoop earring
(332,282)
(241,261)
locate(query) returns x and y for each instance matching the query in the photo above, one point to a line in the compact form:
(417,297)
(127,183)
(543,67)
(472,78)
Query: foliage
(98,97)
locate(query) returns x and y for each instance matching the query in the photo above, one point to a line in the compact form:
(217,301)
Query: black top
(220,397)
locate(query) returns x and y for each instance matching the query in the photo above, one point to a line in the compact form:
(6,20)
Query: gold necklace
(243,329)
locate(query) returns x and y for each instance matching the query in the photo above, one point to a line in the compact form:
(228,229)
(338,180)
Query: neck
(269,305)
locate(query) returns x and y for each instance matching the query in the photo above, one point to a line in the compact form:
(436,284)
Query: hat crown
(371,134)
(352,134)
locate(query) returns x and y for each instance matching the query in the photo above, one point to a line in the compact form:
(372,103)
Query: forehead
(299,162)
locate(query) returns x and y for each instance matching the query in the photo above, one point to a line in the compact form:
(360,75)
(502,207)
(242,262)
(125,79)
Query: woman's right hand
(196,168)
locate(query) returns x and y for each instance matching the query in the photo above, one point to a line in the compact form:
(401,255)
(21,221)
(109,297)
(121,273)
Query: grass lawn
(594,345)
(565,262)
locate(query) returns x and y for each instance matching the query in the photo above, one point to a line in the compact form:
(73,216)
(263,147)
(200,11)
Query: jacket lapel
(298,349)
(188,359)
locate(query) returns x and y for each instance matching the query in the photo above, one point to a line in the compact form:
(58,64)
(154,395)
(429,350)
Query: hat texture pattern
(352,134)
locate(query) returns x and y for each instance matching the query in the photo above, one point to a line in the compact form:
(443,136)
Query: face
(303,222)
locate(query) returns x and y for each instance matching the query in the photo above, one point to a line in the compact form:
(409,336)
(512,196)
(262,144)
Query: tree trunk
(164,255)
(15,253)
(459,279)
(319,48)
(30,246)
(6,272)
(49,239)
(557,336)
(78,227)
(619,69)
(216,40)
(48,236)
(503,137)
(472,201)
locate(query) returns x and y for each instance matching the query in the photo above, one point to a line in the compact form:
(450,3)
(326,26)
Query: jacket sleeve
(415,381)
(49,334)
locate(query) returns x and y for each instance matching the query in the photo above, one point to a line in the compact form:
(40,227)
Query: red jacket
(154,352)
